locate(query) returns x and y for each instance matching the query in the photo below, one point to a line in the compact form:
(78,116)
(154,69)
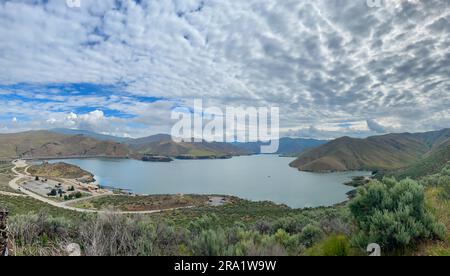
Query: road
(64,205)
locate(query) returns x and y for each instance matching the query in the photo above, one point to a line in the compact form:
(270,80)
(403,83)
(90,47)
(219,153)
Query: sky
(119,67)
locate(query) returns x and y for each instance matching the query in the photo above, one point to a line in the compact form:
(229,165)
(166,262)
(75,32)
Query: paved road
(63,205)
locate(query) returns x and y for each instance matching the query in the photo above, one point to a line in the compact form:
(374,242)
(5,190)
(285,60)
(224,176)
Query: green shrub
(210,243)
(204,223)
(336,246)
(393,215)
(310,235)
(332,246)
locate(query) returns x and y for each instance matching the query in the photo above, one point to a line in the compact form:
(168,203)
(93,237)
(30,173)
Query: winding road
(63,205)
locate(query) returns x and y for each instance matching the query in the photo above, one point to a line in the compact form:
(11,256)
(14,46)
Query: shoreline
(126,192)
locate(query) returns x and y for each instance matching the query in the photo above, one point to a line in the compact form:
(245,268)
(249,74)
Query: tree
(393,214)
(53,192)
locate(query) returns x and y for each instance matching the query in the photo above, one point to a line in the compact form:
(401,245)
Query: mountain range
(82,143)
(387,152)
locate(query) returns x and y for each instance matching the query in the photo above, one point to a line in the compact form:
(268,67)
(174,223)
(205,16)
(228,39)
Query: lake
(257,178)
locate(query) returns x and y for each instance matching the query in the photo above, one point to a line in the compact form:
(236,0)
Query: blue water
(257,178)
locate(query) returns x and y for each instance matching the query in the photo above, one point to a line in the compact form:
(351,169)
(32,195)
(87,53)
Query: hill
(60,170)
(163,145)
(431,164)
(90,134)
(387,152)
(46,144)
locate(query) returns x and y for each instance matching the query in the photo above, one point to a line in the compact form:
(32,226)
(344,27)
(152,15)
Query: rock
(74,250)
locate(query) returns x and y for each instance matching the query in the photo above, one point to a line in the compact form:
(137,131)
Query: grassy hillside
(431,164)
(387,152)
(35,144)
(15,144)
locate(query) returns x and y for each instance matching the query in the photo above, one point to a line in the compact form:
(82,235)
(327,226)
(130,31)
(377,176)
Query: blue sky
(119,67)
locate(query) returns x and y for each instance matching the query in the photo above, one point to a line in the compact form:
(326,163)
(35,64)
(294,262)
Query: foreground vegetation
(5,177)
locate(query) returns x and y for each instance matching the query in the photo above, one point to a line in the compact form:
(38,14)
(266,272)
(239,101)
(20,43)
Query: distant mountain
(90,134)
(287,146)
(47,144)
(164,145)
(387,152)
(142,142)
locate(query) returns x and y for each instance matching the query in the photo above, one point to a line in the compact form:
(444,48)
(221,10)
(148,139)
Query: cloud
(322,62)
(376,127)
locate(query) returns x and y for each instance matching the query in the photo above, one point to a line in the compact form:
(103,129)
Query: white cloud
(324,63)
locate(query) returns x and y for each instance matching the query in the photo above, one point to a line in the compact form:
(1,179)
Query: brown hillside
(387,152)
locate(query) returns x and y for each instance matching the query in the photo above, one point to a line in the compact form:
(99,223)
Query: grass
(440,208)
(142,203)
(25,205)
(5,176)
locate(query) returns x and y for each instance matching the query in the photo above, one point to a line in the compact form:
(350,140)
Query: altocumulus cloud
(334,67)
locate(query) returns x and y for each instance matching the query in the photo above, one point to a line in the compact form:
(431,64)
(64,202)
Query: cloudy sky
(333,67)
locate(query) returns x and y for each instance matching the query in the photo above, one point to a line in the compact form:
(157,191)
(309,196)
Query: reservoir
(257,178)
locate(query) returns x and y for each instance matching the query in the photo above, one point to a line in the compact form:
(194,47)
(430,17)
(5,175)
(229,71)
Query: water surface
(258,178)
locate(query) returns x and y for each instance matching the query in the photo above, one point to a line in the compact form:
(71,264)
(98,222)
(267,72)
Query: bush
(111,234)
(310,235)
(206,222)
(393,215)
(34,229)
(333,246)
(210,243)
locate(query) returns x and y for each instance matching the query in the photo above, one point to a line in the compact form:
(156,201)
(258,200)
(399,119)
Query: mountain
(161,144)
(38,144)
(287,146)
(387,152)
(432,163)
(164,145)
(90,134)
